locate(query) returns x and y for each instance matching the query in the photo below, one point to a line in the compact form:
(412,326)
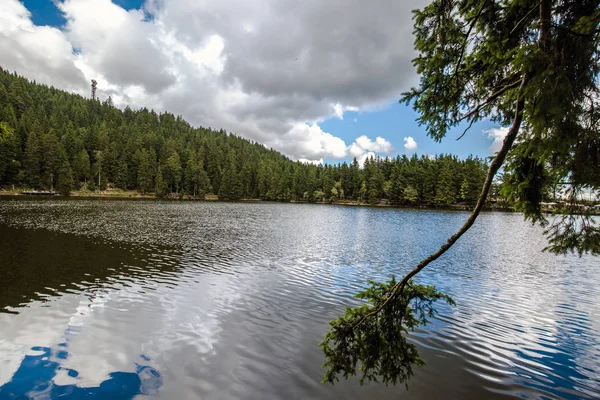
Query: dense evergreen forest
(64,142)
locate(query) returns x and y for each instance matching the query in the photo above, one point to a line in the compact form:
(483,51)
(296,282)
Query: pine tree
(231,187)
(172,172)
(81,166)
(33,160)
(9,149)
(64,181)
(446,193)
(410,195)
(160,189)
(145,174)
(54,157)
(362,194)
(396,191)
(196,179)
(113,141)
(529,65)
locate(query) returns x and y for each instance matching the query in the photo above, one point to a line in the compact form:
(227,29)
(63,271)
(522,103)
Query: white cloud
(315,162)
(38,52)
(264,70)
(497,134)
(409,144)
(362,158)
(311,143)
(379,145)
(363,145)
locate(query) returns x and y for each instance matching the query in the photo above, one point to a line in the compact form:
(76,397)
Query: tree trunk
(545,19)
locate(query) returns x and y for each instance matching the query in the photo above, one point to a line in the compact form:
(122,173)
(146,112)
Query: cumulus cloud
(363,144)
(38,52)
(409,144)
(311,143)
(268,70)
(497,134)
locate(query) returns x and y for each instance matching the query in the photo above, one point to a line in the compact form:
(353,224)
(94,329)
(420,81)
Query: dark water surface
(182,300)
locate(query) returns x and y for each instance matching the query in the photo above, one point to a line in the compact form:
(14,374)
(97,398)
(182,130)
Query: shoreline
(134,195)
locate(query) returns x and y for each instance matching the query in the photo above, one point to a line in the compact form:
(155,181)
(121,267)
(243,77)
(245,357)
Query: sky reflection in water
(230,301)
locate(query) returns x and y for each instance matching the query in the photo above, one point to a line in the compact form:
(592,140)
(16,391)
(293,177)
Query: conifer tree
(33,160)
(64,181)
(5,131)
(231,187)
(172,171)
(160,189)
(529,65)
(446,189)
(396,192)
(145,173)
(81,166)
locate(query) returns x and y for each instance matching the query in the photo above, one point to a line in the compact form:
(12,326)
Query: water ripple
(230,300)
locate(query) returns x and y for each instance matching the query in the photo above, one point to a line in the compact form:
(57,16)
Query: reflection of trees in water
(36,377)
(37,263)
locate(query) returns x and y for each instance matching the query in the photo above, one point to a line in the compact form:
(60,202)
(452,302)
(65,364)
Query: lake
(188,300)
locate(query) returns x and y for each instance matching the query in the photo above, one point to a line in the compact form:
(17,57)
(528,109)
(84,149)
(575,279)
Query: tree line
(66,142)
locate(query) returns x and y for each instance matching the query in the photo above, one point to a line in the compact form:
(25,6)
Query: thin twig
(572,32)
(465,131)
(525,17)
(464,46)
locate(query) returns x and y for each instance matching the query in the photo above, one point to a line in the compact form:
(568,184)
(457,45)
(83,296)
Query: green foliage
(447,186)
(5,131)
(81,166)
(125,149)
(524,185)
(363,190)
(231,185)
(33,160)
(376,343)
(476,55)
(318,195)
(160,189)
(410,194)
(172,171)
(532,65)
(197,182)
(145,171)
(64,182)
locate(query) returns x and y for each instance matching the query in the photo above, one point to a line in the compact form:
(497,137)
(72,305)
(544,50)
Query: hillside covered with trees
(65,142)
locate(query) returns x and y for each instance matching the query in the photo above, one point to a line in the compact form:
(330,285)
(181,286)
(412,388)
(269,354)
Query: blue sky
(397,121)
(266,73)
(45,12)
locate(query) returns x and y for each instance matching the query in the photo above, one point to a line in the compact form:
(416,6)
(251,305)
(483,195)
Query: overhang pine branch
(494,167)
(489,100)
(466,42)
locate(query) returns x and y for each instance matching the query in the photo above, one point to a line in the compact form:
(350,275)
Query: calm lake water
(185,300)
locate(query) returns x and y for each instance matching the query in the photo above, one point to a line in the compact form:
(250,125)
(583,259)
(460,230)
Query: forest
(64,142)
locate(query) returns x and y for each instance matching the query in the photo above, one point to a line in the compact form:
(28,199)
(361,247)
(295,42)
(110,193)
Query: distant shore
(134,195)
(131,194)
(109,193)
